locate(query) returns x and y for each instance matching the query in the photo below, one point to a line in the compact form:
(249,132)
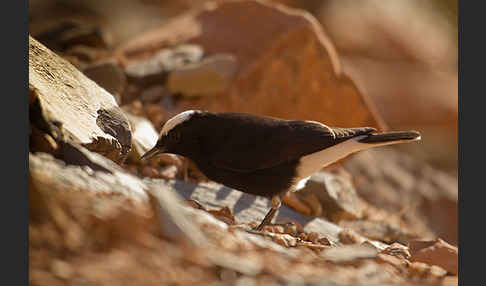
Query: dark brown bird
(261,155)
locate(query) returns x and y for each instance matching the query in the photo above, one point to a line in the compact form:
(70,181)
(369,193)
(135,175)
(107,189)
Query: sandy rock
(378,245)
(76,206)
(174,220)
(91,174)
(247,208)
(108,75)
(450,281)
(398,250)
(224,214)
(436,252)
(195,204)
(412,79)
(424,270)
(118,233)
(437,271)
(283,239)
(246,266)
(283,56)
(245,281)
(349,236)
(325,241)
(419,268)
(37,275)
(392,260)
(210,76)
(313,237)
(336,194)
(81,169)
(426,197)
(382,230)
(148,171)
(155,69)
(73,107)
(144,136)
(169,172)
(61,269)
(349,253)
(306,203)
(154,94)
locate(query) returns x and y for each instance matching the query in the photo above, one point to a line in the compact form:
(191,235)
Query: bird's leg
(275,204)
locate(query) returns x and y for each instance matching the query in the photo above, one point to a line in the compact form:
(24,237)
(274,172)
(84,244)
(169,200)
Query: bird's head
(178,136)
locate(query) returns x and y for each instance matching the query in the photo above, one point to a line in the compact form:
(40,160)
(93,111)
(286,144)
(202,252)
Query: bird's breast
(263,182)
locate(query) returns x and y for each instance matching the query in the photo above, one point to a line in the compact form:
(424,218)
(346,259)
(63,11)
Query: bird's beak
(152,152)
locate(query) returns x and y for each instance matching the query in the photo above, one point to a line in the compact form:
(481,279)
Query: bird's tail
(312,162)
(388,138)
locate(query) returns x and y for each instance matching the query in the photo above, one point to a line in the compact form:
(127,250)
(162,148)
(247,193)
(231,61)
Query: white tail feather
(312,163)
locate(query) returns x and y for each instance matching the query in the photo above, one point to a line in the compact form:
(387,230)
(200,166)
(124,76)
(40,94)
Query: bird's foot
(275,205)
(267,220)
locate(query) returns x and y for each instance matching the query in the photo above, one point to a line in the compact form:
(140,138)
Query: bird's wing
(274,142)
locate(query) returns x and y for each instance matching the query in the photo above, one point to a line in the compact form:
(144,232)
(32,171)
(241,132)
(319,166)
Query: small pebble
(61,269)
(313,237)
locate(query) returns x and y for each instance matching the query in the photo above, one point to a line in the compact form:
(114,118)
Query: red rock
(424,270)
(294,201)
(437,271)
(325,241)
(398,250)
(418,269)
(283,54)
(450,281)
(61,269)
(278,229)
(303,236)
(313,237)
(437,252)
(349,236)
(335,196)
(392,260)
(151,172)
(224,214)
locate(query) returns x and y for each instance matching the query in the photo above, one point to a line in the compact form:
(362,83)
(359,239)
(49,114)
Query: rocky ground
(98,98)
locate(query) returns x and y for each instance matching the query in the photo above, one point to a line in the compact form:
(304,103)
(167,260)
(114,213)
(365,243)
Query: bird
(263,155)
